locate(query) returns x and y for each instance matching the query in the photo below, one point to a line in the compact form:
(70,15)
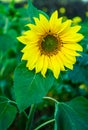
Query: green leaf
(8,67)
(7,42)
(80,72)
(7,113)
(34,12)
(29,87)
(72,115)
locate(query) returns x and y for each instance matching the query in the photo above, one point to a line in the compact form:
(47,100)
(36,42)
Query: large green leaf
(72,115)
(29,87)
(7,113)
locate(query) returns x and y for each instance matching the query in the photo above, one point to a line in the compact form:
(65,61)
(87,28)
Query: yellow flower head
(51,44)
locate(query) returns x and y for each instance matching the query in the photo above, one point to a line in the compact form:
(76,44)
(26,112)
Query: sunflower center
(49,44)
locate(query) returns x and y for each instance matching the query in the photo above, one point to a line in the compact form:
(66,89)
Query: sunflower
(51,44)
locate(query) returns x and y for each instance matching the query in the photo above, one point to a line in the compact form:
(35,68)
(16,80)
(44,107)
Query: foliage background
(71,84)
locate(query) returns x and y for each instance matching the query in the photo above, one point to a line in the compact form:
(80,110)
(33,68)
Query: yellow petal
(70,52)
(55,66)
(71,31)
(60,63)
(72,38)
(23,39)
(73,46)
(42,26)
(28,36)
(39,64)
(30,53)
(66,62)
(44,22)
(32,59)
(31,26)
(29,47)
(75,28)
(45,65)
(54,22)
(53,17)
(64,27)
(32,36)
(69,57)
(38,30)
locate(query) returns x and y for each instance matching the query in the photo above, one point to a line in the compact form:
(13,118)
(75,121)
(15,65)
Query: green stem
(15,104)
(30,118)
(6,26)
(45,123)
(25,115)
(52,99)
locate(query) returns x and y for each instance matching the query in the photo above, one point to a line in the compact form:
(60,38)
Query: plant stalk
(30,117)
(45,123)
(52,99)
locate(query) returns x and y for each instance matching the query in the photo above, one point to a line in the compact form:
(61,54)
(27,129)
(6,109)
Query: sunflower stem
(45,123)
(30,118)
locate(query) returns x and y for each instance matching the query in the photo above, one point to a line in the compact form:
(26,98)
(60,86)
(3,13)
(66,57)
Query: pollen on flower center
(49,44)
